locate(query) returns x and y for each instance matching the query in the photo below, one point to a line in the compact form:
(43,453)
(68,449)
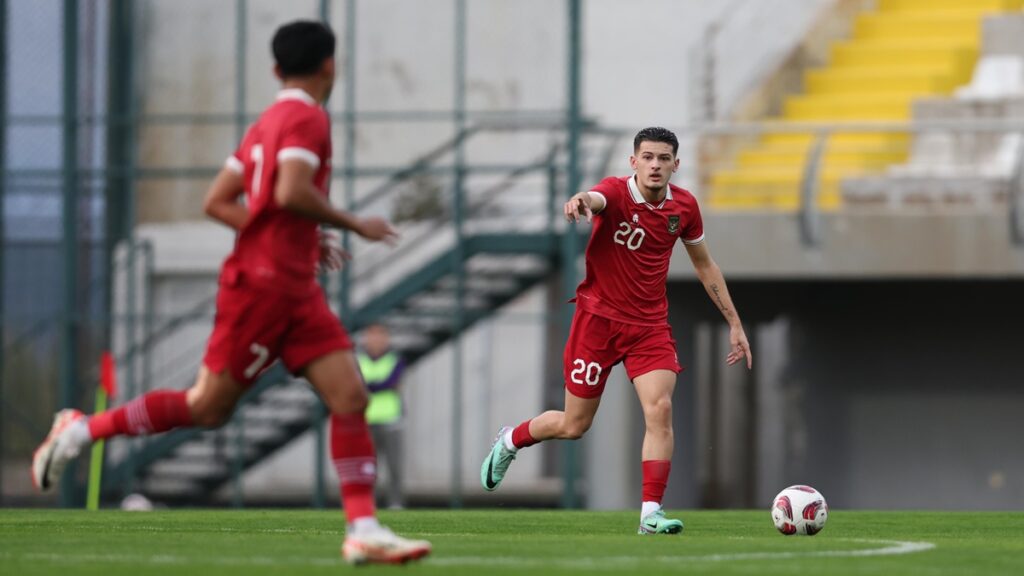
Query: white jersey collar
(638,197)
(296,94)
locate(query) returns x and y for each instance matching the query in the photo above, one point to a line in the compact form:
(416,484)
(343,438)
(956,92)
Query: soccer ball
(799,510)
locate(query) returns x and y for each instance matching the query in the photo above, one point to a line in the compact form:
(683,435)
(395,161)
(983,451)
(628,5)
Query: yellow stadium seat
(901,51)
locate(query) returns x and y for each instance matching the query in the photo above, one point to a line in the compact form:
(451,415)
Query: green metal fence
(54,291)
(78,126)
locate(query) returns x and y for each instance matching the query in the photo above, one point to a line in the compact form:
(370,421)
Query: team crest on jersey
(636,218)
(673,224)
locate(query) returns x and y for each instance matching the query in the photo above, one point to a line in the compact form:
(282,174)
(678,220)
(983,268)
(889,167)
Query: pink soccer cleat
(52,456)
(382,546)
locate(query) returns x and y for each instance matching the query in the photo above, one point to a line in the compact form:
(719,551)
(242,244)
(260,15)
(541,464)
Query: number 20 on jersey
(628,236)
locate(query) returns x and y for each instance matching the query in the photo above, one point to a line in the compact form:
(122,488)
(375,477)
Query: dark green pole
(319,410)
(69,240)
(237,462)
(349,189)
(119,52)
(118,158)
(459,269)
(348,200)
(241,38)
(570,248)
(3,233)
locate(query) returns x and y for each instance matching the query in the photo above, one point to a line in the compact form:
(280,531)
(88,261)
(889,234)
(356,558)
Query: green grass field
(490,542)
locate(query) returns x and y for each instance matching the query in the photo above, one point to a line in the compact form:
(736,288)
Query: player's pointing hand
(578,205)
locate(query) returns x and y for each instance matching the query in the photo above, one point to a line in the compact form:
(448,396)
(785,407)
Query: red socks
(351,447)
(521,436)
(157,411)
(655,478)
(356,462)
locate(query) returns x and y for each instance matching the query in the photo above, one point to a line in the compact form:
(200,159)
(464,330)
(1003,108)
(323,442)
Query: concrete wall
(923,410)
(636,71)
(1003,34)
(927,242)
(881,394)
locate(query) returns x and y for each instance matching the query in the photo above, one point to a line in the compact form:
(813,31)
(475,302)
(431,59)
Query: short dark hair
(301,47)
(656,134)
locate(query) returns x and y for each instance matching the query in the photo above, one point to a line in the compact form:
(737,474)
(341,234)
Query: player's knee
(354,399)
(208,416)
(658,414)
(575,429)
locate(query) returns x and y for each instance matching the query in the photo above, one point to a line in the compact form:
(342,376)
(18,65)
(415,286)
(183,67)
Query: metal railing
(973,148)
(481,192)
(1016,198)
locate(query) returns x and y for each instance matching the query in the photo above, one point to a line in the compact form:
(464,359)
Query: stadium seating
(961,167)
(950,167)
(903,51)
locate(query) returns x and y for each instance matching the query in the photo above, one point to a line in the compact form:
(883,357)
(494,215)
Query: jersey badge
(636,218)
(673,224)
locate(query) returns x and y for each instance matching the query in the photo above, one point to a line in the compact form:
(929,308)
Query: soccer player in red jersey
(269,305)
(622,315)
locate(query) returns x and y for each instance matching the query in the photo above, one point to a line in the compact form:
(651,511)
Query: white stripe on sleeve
(296,153)
(697,240)
(234,164)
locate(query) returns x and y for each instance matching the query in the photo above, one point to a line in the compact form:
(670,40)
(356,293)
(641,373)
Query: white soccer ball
(136,503)
(799,510)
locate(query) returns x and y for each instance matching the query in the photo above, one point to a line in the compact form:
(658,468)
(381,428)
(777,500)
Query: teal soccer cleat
(656,523)
(492,472)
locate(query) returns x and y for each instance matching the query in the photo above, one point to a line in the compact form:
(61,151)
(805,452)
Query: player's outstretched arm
(221,202)
(583,204)
(710,275)
(295,192)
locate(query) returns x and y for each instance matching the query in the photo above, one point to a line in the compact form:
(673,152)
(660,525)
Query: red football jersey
(629,251)
(278,249)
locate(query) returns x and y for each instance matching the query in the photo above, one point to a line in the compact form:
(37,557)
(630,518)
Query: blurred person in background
(269,304)
(622,316)
(382,370)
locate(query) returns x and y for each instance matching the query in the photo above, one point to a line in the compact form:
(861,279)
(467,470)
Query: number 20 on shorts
(584,372)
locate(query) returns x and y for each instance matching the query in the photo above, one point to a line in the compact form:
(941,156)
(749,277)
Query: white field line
(171,559)
(886,548)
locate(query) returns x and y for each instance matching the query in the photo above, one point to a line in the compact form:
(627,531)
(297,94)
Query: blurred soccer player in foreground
(269,305)
(622,315)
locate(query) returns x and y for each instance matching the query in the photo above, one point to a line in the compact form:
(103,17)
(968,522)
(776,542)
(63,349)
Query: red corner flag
(107,375)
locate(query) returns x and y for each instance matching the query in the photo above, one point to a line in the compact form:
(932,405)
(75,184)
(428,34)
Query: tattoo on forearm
(718,298)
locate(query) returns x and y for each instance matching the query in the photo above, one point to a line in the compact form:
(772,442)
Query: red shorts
(254,327)
(596,344)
